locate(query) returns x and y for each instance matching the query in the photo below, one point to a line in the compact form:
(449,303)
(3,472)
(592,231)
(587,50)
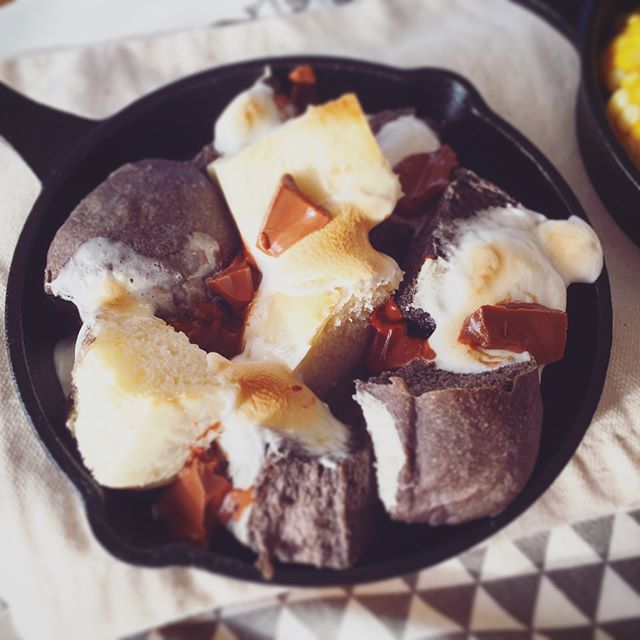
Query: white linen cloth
(57,579)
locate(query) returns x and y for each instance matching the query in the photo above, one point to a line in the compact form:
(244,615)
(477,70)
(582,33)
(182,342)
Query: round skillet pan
(73,155)
(613,174)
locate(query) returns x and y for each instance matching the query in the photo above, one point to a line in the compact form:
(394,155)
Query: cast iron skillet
(73,155)
(613,174)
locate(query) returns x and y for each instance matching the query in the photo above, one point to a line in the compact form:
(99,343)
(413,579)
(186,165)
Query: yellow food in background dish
(620,69)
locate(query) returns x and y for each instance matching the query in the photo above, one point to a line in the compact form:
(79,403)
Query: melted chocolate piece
(518,327)
(212,326)
(391,346)
(423,177)
(190,505)
(303,87)
(237,283)
(291,217)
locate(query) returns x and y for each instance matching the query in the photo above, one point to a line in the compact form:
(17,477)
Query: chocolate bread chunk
(463,198)
(154,207)
(313,511)
(205,157)
(452,447)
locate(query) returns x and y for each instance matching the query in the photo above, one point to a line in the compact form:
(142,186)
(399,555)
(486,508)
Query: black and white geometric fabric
(573,582)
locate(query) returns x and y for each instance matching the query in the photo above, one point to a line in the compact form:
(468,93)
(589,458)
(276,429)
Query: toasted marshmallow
(506,254)
(573,247)
(251,115)
(101,269)
(333,157)
(269,396)
(332,276)
(145,398)
(406,136)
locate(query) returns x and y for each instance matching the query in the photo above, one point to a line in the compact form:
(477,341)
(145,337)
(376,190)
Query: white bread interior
(146,399)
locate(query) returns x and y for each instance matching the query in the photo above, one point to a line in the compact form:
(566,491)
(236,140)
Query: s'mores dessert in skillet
(320,318)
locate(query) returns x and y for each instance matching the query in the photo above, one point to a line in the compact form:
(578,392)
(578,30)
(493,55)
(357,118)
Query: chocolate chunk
(518,327)
(303,87)
(291,217)
(237,283)
(423,176)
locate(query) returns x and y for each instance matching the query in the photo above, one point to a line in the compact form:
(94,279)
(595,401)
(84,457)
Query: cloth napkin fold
(57,579)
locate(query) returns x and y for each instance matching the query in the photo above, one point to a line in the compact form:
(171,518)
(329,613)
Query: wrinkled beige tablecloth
(58,580)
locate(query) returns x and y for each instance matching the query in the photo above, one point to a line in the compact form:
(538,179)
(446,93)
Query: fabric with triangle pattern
(590,596)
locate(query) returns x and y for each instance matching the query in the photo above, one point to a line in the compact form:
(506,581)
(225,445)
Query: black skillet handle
(40,134)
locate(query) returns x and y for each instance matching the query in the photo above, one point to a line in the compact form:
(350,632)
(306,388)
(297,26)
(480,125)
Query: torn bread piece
(157,227)
(482,248)
(455,438)
(315,297)
(149,405)
(311,510)
(146,399)
(299,507)
(451,448)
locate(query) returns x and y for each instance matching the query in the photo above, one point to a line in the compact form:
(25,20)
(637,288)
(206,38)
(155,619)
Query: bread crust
(152,206)
(314,511)
(470,441)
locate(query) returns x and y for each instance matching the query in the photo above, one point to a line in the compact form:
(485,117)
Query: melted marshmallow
(404,137)
(63,358)
(251,115)
(101,269)
(501,255)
